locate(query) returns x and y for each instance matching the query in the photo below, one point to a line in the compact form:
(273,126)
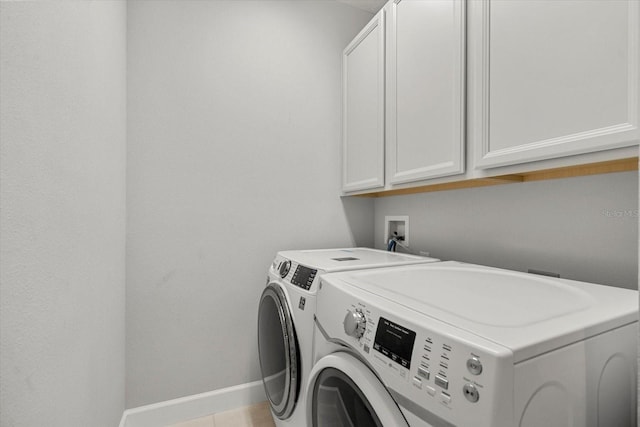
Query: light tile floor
(249,416)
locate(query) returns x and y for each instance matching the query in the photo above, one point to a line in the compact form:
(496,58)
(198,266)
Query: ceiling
(372,6)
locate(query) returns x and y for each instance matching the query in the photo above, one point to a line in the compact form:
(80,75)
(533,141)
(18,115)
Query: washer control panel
(395,342)
(444,371)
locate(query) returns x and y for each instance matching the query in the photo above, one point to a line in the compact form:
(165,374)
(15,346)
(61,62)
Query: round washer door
(278,351)
(342,391)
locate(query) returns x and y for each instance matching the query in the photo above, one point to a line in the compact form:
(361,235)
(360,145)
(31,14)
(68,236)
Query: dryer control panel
(303,276)
(440,373)
(297,274)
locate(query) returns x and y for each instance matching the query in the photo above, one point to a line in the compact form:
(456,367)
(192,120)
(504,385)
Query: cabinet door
(552,78)
(425,94)
(363,108)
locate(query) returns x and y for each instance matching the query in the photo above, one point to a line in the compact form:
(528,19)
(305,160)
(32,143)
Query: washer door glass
(338,402)
(278,351)
(344,392)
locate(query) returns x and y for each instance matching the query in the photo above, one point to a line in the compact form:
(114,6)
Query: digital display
(395,342)
(303,277)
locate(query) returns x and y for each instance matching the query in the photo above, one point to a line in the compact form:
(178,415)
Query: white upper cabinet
(552,78)
(363,109)
(425,89)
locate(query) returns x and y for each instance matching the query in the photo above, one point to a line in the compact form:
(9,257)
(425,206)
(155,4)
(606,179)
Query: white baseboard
(195,406)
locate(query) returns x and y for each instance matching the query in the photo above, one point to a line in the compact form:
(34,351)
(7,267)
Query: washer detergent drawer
(437,373)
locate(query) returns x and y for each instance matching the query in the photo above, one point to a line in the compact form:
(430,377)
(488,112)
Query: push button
(445,398)
(442,382)
(423,372)
(417,382)
(431,390)
(471,393)
(474,366)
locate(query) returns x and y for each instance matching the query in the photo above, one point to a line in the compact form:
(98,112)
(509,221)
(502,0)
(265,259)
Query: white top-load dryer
(285,318)
(453,344)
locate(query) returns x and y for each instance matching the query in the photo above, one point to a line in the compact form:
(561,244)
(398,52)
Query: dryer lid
(333,260)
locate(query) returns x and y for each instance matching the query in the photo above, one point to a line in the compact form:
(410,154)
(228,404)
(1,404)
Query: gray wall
(62,222)
(583,228)
(233,154)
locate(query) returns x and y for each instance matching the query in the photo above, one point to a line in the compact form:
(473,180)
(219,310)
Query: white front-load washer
(452,344)
(286,319)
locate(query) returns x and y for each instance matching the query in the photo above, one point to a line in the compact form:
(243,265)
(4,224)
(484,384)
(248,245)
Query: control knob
(474,365)
(355,323)
(284,268)
(471,392)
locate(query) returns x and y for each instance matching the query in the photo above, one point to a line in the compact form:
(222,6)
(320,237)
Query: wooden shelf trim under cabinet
(611,166)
